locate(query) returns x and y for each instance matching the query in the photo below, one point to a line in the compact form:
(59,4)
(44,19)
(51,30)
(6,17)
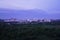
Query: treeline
(40,31)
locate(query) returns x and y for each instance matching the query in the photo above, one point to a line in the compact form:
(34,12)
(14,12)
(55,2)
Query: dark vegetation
(40,31)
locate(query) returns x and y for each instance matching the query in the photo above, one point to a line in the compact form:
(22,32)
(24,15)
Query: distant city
(28,20)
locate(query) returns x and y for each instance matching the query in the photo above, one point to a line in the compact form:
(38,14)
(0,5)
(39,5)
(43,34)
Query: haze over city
(29,9)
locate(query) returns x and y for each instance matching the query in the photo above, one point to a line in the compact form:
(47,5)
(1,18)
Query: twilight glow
(49,6)
(30,4)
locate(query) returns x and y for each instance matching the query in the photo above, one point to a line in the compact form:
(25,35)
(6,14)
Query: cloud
(46,5)
(19,4)
(25,4)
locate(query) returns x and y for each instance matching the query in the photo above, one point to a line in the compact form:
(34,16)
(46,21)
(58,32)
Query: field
(29,31)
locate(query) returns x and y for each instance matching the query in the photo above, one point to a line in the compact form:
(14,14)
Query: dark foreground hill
(29,32)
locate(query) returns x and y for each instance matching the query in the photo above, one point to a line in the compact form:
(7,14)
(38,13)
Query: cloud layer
(51,6)
(29,4)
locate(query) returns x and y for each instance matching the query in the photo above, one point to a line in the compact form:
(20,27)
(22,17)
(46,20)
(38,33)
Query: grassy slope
(29,32)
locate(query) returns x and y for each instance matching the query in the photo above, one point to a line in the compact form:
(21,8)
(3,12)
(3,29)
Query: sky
(50,6)
(30,4)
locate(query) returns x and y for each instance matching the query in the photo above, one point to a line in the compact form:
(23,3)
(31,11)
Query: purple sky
(49,6)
